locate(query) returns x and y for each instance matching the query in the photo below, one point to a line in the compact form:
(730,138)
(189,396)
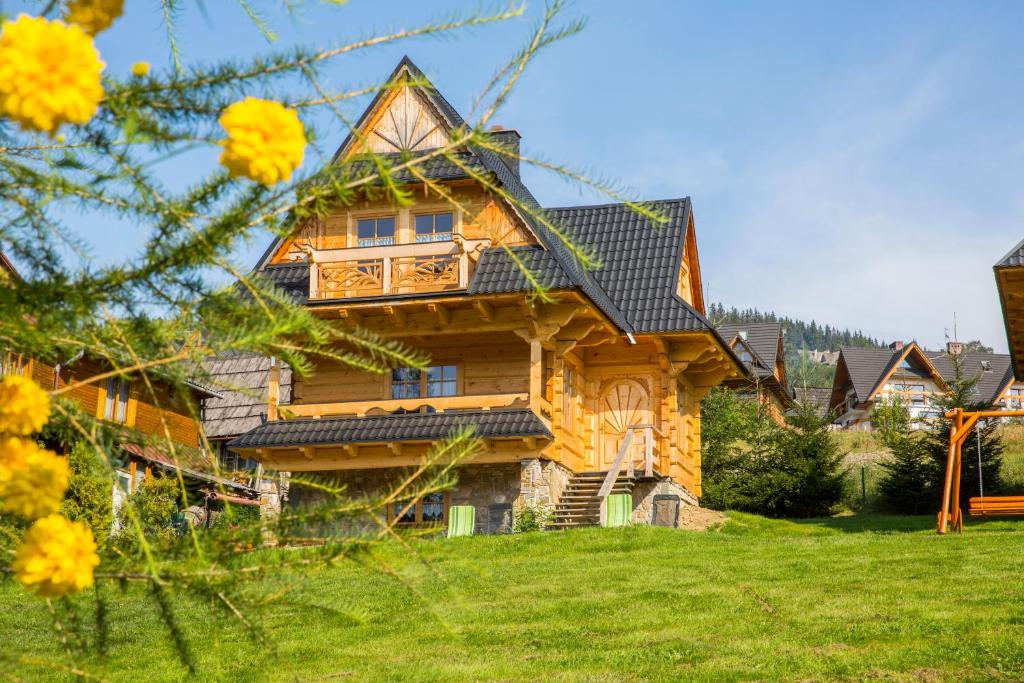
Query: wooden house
(1009,274)
(159,429)
(866,375)
(760,347)
(552,388)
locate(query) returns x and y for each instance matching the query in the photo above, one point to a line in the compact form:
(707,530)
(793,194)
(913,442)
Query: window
(441,380)
(373,231)
(232,462)
(405,383)
(744,355)
(434,227)
(437,380)
(431,509)
(116,406)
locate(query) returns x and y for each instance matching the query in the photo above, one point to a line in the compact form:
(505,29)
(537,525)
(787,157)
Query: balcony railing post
(386,275)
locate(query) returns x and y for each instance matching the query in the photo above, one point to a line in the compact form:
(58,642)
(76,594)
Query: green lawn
(855,598)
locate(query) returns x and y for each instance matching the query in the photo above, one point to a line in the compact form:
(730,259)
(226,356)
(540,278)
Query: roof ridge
(674,200)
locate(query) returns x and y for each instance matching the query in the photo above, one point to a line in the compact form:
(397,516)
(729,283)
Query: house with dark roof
(600,379)
(760,347)
(865,376)
(1009,274)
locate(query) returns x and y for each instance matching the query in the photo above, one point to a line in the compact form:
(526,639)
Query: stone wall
(493,489)
(652,501)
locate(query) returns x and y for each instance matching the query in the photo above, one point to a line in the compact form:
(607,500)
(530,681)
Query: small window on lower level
(431,509)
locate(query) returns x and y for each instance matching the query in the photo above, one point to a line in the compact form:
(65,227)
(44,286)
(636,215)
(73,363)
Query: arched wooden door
(623,403)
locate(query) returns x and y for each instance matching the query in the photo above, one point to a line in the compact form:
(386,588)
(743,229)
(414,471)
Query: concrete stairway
(579,505)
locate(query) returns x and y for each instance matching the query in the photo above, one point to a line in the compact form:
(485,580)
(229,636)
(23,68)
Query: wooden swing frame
(962,422)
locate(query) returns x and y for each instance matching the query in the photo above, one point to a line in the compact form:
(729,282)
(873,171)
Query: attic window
(434,227)
(371,232)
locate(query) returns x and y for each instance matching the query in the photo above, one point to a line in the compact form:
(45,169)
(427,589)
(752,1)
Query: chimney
(896,345)
(954,348)
(509,139)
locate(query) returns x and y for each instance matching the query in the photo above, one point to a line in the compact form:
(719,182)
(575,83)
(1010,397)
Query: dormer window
(371,232)
(434,227)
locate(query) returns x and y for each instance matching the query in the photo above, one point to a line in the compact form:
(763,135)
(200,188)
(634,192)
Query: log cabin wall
(486,364)
(477,215)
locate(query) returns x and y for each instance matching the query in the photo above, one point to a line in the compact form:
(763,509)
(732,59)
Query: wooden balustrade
(439,404)
(384,270)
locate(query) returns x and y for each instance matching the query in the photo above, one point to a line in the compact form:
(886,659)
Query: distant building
(865,376)
(760,347)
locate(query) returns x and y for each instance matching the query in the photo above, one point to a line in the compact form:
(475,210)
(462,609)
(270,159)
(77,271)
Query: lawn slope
(855,598)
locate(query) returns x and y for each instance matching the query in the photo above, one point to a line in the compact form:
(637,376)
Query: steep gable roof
(763,338)
(507,179)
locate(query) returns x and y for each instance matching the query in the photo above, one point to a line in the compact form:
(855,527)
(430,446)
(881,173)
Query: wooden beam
(395,447)
(531,442)
(485,310)
(309,452)
(273,390)
(536,375)
(444,316)
(351,317)
(396,315)
(351,450)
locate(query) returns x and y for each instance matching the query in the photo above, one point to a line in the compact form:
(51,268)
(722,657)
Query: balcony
(388,269)
(434,404)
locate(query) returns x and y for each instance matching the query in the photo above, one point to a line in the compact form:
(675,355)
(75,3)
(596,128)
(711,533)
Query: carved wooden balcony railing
(435,266)
(438,404)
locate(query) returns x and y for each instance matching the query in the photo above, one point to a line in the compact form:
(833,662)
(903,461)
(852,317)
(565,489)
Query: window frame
(376,241)
(417,511)
(433,214)
(116,399)
(424,382)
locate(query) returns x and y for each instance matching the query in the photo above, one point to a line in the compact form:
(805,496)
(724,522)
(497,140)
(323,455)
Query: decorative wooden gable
(403,122)
(689,286)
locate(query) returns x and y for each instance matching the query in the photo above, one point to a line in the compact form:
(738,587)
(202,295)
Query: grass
(849,598)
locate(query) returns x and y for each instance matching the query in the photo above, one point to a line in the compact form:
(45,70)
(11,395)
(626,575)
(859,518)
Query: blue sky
(857,163)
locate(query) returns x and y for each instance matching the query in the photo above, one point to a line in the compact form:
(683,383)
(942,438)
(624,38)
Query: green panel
(618,510)
(461,520)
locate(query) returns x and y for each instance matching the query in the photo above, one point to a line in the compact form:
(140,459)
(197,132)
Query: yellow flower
(140,69)
(265,142)
(49,73)
(93,15)
(56,557)
(32,480)
(24,407)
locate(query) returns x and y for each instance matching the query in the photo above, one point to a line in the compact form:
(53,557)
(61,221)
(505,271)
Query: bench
(993,506)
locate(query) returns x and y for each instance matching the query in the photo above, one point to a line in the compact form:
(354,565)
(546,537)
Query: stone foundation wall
(493,489)
(660,502)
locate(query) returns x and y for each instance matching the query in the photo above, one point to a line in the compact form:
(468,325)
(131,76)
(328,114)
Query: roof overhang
(1010,284)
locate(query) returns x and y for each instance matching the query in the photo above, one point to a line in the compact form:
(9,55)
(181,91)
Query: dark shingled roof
(762,339)
(866,366)
(1014,258)
(390,428)
(497,272)
(991,382)
(292,278)
(242,381)
(817,397)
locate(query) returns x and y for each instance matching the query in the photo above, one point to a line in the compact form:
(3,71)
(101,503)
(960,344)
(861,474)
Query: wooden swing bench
(996,506)
(962,422)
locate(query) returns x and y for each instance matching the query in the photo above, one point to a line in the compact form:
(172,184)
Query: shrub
(90,496)
(530,517)
(753,464)
(155,503)
(915,476)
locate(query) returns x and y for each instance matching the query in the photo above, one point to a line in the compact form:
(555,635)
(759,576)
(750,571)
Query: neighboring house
(816,397)
(1009,274)
(552,388)
(865,376)
(248,386)
(157,434)
(760,347)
